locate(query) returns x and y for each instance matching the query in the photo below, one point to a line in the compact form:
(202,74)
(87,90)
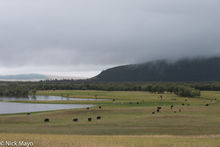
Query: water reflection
(9,107)
(47,98)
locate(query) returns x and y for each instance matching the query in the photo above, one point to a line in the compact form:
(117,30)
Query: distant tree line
(11,90)
(23,89)
(182,89)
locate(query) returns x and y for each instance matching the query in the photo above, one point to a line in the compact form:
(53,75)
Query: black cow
(89,119)
(46,120)
(75,119)
(98,117)
(159,108)
(171,106)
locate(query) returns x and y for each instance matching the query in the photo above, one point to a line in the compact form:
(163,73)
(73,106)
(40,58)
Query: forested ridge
(184,70)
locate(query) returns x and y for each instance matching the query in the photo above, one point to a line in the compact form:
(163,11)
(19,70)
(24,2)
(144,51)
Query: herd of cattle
(100,107)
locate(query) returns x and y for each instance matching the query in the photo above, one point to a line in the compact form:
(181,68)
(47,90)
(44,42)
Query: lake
(47,98)
(11,107)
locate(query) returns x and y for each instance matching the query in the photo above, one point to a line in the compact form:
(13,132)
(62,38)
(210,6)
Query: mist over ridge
(200,69)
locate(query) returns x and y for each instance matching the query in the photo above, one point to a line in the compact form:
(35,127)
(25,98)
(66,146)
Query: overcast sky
(84,37)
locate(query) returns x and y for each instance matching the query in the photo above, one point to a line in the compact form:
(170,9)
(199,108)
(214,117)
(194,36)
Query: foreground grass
(40,140)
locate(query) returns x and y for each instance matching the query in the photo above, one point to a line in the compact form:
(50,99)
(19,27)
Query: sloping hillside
(185,70)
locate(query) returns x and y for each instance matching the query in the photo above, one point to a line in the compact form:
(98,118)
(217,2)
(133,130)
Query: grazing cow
(100,107)
(28,113)
(171,106)
(137,102)
(207,105)
(98,117)
(113,100)
(46,120)
(180,110)
(183,104)
(89,119)
(158,110)
(87,108)
(153,112)
(75,119)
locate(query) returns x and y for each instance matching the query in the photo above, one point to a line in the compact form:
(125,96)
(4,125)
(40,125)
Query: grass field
(40,140)
(123,123)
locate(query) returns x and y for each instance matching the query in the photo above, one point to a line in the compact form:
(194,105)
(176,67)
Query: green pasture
(129,115)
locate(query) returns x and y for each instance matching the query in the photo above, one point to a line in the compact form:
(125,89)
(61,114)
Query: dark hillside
(185,70)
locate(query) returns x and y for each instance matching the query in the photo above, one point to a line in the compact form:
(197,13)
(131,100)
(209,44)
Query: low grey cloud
(88,36)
